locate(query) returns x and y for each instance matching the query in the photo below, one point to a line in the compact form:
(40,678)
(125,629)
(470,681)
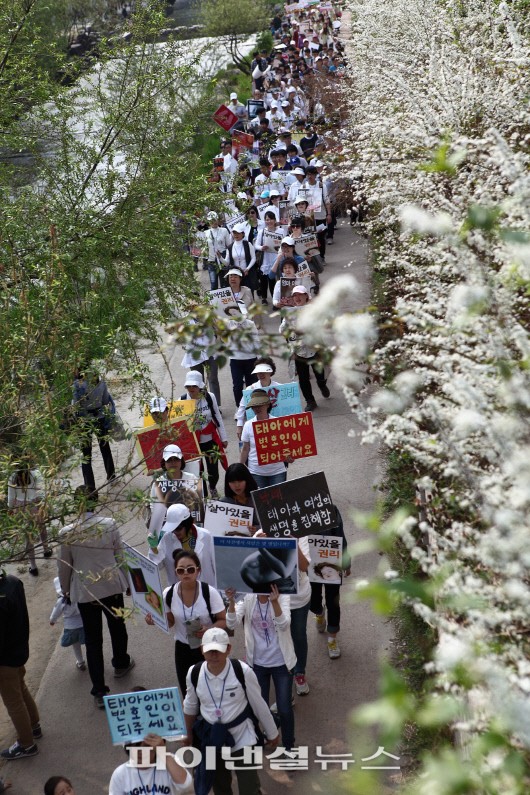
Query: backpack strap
(246,249)
(169,595)
(205,590)
(195,671)
(209,401)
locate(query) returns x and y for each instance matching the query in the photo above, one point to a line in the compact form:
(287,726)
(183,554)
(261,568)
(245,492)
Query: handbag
(316,263)
(114,425)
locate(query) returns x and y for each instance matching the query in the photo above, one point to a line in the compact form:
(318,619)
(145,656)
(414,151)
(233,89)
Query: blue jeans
(283,686)
(299,636)
(213,274)
(269,480)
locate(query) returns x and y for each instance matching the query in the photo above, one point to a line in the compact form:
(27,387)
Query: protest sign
(223,519)
(286,291)
(177,409)
(240,218)
(224,117)
(306,245)
(244,140)
(272,239)
(278,438)
(253,105)
(224,302)
(151,441)
(145,585)
(218,164)
(265,208)
(285,399)
(252,565)
(286,212)
(171,492)
(298,507)
(325,553)
(132,716)
(303,273)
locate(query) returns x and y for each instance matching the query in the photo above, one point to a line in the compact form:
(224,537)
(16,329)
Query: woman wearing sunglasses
(252,225)
(192,607)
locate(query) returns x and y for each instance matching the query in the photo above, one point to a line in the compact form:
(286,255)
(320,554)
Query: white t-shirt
(247,435)
(129,780)
(198,610)
(267,651)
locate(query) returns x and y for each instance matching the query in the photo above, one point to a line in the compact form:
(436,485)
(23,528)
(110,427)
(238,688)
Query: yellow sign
(177,409)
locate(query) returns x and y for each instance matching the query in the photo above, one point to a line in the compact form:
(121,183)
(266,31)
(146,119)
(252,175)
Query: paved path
(76,739)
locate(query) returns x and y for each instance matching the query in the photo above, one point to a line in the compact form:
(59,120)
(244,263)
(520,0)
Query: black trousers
(185,657)
(95,425)
(241,370)
(332,596)
(92,615)
(212,461)
(304,377)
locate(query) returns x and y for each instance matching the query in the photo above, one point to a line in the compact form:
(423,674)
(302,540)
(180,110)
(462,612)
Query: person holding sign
(242,295)
(179,532)
(134,777)
(218,239)
(304,355)
(269,648)
(264,474)
(239,484)
(210,428)
(264,369)
(286,252)
(268,255)
(164,489)
(191,607)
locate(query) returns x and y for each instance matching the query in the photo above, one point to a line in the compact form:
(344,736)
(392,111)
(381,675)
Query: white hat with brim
(239,229)
(235,272)
(194,378)
(299,171)
(176,514)
(171,451)
(258,398)
(289,241)
(300,200)
(262,368)
(215,639)
(157,405)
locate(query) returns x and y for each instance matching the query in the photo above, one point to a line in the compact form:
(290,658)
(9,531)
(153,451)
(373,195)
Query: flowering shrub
(440,130)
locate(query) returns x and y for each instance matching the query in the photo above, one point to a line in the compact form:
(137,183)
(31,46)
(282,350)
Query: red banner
(243,139)
(224,117)
(277,438)
(151,441)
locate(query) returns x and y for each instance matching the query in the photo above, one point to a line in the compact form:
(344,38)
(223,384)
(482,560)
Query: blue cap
(265,194)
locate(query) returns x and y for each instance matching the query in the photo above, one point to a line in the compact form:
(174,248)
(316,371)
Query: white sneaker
(300,683)
(333,648)
(81,666)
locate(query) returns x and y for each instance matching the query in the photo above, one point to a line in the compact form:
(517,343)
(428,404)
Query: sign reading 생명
(223,519)
(145,585)
(280,437)
(133,715)
(298,507)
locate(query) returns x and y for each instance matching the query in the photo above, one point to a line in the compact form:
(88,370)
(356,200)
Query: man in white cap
(299,175)
(240,254)
(236,107)
(264,370)
(210,428)
(223,706)
(274,115)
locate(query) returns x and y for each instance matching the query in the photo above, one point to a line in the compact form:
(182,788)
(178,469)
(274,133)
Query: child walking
(73,634)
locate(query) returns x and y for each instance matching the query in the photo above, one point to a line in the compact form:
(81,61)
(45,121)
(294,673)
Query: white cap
(262,368)
(235,272)
(240,228)
(300,290)
(212,216)
(299,171)
(318,163)
(242,195)
(176,514)
(157,404)
(233,95)
(194,378)
(215,639)
(288,241)
(291,89)
(274,104)
(171,451)
(274,192)
(300,199)
(285,104)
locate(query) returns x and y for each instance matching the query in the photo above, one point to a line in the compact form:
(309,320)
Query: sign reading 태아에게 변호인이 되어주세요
(298,507)
(133,715)
(279,438)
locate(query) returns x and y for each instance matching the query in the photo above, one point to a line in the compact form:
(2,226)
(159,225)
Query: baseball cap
(262,368)
(289,241)
(299,171)
(157,404)
(291,89)
(171,451)
(176,514)
(301,290)
(233,95)
(239,228)
(194,378)
(274,104)
(264,194)
(215,639)
(274,192)
(212,216)
(285,103)
(300,199)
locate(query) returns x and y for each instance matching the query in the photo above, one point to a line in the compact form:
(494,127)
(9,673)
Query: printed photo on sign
(298,507)
(131,716)
(244,140)
(286,212)
(181,492)
(286,288)
(145,585)
(325,554)
(252,565)
(223,519)
(285,399)
(280,437)
(151,441)
(306,245)
(224,303)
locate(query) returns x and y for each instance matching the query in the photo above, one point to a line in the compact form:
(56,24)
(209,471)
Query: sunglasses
(186,570)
